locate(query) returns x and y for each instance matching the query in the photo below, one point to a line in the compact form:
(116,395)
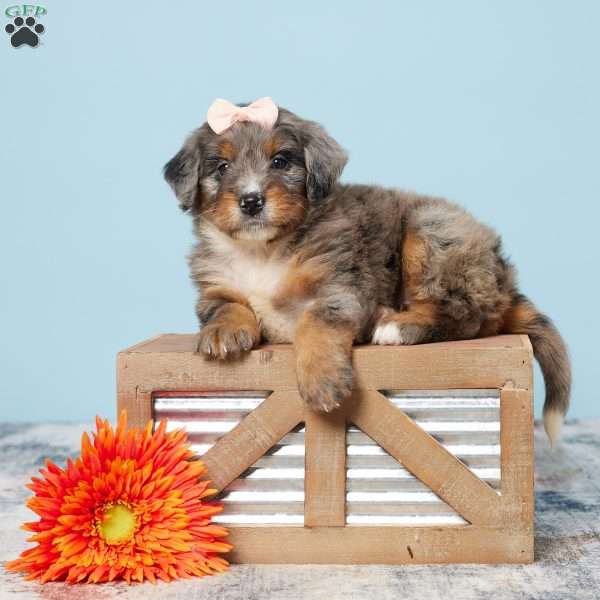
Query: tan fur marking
(225,215)
(417,314)
(287,210)
(422,313)
(323,364)
(227,150)
(518,318)
(300,282)
(490,327)
(414,255)
(271,146)
(226,294)
(420,310)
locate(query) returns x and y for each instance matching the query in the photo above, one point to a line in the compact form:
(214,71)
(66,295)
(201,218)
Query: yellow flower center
(117,524)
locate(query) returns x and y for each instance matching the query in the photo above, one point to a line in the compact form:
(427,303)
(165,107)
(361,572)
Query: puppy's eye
(222,168)
(279,162)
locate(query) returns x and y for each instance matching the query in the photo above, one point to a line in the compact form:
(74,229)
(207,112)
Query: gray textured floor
(567,539)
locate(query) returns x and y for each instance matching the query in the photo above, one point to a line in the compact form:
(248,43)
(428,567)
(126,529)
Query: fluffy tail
(551,352)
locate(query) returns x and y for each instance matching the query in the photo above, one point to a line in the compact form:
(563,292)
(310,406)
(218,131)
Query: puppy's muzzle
(252,204)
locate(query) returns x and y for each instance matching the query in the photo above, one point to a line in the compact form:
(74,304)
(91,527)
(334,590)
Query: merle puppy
(285,253)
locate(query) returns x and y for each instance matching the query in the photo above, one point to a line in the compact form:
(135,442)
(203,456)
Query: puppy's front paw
(324,381)
(227,341)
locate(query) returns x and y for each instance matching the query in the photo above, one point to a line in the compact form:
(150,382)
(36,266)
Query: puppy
(285,253)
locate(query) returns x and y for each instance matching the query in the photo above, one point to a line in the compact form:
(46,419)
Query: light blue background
(492,104)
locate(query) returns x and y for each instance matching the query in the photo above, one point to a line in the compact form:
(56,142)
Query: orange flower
(130,507)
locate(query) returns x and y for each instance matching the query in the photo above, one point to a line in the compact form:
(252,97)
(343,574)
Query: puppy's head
(255,183)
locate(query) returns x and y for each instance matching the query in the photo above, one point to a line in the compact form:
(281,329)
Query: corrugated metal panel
(272,490)
(379,490)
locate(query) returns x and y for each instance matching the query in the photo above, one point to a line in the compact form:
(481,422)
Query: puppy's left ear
(325,160)
(183,171)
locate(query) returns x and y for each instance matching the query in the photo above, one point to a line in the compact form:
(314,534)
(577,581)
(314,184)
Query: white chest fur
(256,270)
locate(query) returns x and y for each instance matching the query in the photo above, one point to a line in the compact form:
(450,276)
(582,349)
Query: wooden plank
(169,362)
(426,459)
(325,469)
(447,365)
(185,342)
(179,370)
(517,457)
(252,437)
(131,398)
(378,545)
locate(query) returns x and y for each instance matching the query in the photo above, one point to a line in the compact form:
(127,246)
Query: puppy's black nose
(252,204)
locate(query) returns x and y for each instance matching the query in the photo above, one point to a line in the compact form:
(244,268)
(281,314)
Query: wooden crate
(430,461)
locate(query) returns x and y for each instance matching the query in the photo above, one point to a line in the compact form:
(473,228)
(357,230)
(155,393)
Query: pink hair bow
(222,114)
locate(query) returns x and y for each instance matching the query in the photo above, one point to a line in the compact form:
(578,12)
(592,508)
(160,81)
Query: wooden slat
(137,403)
(169,363)
(484,363)
(252,437)
(185,342)
(516,457)
(379,545)
(178,368)
(325,469)
(426,459)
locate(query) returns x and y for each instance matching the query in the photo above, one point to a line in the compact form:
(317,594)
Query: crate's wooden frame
(500,527)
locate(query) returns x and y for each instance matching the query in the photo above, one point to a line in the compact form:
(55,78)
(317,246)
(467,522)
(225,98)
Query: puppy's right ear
(183,171)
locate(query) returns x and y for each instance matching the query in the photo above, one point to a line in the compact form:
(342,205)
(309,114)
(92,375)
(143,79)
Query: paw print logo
(24,32)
